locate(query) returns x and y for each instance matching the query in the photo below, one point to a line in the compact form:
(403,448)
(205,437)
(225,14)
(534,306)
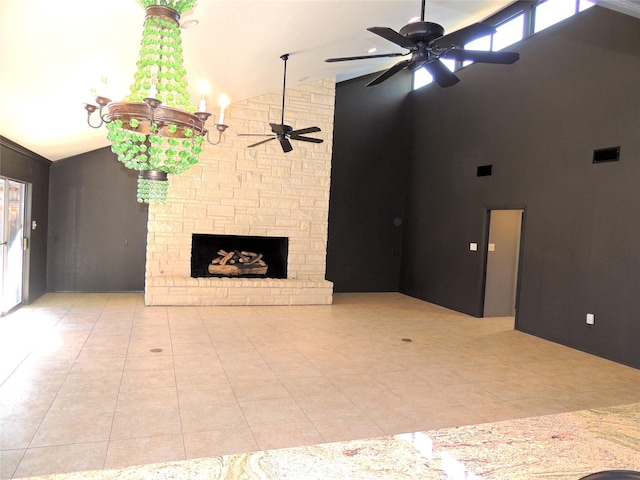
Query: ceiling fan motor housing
(422,31)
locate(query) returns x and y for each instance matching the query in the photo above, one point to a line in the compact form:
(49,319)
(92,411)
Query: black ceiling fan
(427,44)
(281,131)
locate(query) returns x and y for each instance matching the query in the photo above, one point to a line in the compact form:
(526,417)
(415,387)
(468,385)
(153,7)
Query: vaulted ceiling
(53,52)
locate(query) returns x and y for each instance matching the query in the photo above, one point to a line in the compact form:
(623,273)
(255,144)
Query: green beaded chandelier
(156,129)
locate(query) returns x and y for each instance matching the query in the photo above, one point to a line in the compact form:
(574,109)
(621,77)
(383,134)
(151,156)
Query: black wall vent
(484,170)
(606,155)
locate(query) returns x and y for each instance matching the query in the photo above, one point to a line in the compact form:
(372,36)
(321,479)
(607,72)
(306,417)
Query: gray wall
(370,146)
(575,89)
(21,164)
(97,229)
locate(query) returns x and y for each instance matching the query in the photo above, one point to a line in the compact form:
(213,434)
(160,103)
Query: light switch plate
(473,247)
(492,247)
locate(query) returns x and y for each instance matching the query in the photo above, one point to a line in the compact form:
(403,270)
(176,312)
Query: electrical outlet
(591,319)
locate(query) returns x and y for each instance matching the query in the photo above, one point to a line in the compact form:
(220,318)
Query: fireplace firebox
(238,256)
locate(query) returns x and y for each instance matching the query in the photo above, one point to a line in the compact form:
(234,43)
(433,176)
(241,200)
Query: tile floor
(92,381)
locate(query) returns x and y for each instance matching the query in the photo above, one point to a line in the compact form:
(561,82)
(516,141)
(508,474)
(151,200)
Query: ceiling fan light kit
(156,130)
(427,44)
(283,132)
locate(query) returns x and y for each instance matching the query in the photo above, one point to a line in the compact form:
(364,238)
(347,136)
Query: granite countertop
(563,446)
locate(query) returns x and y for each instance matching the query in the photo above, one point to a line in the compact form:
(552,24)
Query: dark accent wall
(538,121)
(97,229)
(21,164)
(370,146)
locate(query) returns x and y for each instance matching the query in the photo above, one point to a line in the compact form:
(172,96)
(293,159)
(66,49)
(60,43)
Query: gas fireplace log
(254,259)
(226,258)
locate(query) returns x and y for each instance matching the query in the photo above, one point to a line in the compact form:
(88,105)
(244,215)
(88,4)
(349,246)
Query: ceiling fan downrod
(284,57)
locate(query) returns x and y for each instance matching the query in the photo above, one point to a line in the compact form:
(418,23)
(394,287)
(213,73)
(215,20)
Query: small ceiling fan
(427,44)
(281,131)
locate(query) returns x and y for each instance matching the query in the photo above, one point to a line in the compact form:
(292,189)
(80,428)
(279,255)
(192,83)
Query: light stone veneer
(235,190)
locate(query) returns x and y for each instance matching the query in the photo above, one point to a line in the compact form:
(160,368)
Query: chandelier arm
(220,127)
(90,109)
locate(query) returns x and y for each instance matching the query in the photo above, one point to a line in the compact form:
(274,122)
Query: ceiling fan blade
(286,145)
(306,139)
(263,141)
(441,74)
(392,71)
(464,35)
(364,57)
(302,131)
(255,135)
(393,36)
(481,56)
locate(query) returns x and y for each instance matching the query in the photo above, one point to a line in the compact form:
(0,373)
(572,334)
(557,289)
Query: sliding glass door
(12,238)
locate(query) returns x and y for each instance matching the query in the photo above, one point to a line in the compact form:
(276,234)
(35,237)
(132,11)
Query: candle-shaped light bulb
(103,89)
(203,88)
(224,102)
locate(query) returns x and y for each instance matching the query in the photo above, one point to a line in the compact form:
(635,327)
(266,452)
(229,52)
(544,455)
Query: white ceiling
(53,52)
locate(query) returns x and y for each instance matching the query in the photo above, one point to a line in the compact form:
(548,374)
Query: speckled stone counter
(564,446)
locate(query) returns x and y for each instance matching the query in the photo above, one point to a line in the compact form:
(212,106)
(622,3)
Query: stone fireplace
(241,192)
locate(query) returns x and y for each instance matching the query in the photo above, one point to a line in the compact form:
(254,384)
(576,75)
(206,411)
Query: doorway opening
(504,246)
(13,240)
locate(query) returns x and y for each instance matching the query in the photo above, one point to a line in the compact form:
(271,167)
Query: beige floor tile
(136,379)
(92,365)
(398,421)
(285,435)
(498,411)
(81,404)
(467,394)
(64,430)
(337,429)
(355,385)
(99,351)
(24,404)
(310,386)
(200,376)
(295,375)
(145,423)
(259,390)
(144,450)
(328,406)
(219,442)
(272,411)
(195,361)
(159,362)
(62,459)
(150,399)
(191,348)
(296,369)
(9,460)
(210,416)
(399,379)
(240,373)
(17,433)
(279,354)
(215,393)
(149,348)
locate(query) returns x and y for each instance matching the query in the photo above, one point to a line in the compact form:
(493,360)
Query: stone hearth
(235,190)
